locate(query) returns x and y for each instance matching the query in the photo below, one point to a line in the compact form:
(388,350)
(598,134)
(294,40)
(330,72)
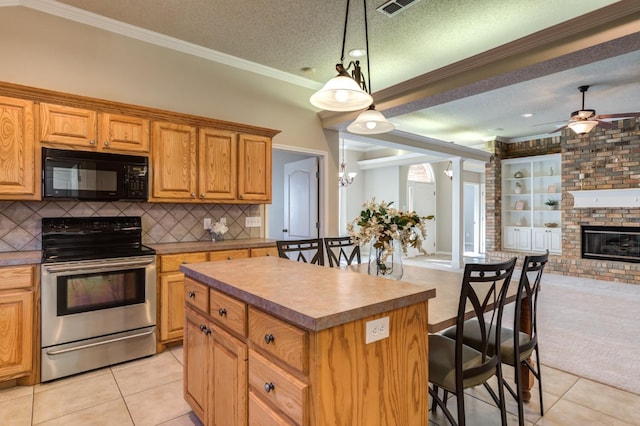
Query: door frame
(323,188)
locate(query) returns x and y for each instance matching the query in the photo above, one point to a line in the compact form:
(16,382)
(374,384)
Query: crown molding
(71,13)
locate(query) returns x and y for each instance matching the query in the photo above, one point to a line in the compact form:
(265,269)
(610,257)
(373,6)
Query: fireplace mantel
(603,198)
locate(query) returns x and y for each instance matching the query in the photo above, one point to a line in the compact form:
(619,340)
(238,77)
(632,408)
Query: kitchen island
(274,341)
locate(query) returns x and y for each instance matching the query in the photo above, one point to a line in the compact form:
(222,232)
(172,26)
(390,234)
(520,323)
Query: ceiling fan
(584,120)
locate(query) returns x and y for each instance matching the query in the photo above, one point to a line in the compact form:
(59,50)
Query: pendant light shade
(370,122)
(583,126)
(341,93)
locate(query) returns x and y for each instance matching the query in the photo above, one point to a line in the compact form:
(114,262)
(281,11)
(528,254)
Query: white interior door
(422,200)
(301,199)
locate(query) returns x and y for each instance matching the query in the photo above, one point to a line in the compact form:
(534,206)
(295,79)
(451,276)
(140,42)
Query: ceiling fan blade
(619,115)
(559,129)
(604,124)
(549,123)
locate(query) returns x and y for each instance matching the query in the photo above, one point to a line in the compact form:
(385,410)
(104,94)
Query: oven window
(103,290)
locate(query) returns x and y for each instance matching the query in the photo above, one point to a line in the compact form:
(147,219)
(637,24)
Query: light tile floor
(149,392)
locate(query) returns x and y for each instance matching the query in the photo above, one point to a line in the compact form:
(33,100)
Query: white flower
(219,228)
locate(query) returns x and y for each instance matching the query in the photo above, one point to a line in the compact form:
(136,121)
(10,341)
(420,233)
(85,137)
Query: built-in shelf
(602,198)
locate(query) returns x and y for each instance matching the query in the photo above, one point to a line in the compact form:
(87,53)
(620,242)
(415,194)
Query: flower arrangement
(385,224)
(218,229)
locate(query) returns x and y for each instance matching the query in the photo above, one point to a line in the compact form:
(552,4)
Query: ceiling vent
(393,7)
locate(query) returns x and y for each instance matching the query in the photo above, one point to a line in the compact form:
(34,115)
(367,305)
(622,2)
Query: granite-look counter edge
(309,296)
(10,258)
(193,246)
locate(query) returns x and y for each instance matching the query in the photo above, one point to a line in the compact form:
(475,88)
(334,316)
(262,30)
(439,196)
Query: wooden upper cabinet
(123,133)
(18,165)
(69,127)
(217,164)
(254,169)
(174,166)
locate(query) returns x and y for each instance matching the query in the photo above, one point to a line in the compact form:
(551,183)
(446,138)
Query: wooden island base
(270,341)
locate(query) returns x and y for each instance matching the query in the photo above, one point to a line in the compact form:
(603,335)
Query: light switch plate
(253,222)
(377,330)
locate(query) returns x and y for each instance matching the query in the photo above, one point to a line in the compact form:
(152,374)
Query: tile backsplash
(21,225)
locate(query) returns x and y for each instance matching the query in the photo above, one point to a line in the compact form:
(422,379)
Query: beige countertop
(310,296)
(35,256)
(188,247)
(20,257)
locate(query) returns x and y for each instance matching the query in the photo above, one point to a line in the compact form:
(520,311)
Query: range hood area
(606,198)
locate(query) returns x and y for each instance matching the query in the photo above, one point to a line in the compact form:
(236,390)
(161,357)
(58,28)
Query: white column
(457,209)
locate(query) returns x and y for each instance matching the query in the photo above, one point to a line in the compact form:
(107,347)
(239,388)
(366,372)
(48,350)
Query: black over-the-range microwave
(94,176)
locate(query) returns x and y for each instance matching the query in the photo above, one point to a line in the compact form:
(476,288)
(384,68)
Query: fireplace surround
(617,243)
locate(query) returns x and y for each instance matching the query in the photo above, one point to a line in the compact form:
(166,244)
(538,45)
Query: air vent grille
(393,7)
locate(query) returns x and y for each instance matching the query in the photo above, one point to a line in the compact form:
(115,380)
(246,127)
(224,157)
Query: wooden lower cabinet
(171,287)
(299,377)
(17,322)
(215,373)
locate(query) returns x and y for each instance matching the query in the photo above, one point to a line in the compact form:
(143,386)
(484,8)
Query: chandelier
(344,178)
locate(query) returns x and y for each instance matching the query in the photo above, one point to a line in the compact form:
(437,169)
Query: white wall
(52,53)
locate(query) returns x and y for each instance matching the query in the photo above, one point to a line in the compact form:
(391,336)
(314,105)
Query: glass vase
(385,263)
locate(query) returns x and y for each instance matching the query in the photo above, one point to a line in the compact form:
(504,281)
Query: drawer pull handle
(207,331)
(192,294)
(184,262)
(203,327)
(222,312)
(229,258)
(268,387)
(269,338)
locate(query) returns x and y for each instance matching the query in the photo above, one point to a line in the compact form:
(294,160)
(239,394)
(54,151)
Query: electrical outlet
(253,222)
(207,223)
(377,330)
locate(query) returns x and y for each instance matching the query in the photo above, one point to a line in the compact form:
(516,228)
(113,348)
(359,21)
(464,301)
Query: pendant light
(369,122)
(344,92)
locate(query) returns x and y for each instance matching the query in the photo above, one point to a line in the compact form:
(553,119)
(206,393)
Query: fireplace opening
(621,243)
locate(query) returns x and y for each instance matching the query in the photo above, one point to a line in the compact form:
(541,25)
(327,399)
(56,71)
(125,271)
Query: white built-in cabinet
(528,223)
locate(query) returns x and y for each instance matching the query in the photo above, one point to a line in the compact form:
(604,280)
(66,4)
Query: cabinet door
(555,241)
(539,240)
(174,168)
(509,237)
(254,169)
(217,170)
(123,133)
(68,126)
(16,333)
(171,306)
(523,239)
(197,357)
(17,151)
(229,391)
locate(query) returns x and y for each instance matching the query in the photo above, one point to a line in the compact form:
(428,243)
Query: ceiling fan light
(341,93)
(582,127)
(370,122)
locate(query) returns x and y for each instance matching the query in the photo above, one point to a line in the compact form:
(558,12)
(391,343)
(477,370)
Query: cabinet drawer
(262,415)
(264,251)
(285,341)
(228,312)
(229,254)
(270,383)
(196,294)
(16,277)
(172,262)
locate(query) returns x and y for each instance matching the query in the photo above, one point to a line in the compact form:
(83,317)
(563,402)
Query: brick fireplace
(607,159)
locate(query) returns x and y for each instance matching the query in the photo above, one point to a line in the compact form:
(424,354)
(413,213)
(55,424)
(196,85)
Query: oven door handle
(91,345)
(101,266)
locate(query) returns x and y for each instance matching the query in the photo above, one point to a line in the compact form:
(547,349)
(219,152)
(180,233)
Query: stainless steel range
(98,294)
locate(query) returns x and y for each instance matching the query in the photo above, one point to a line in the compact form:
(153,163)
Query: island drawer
(228,312)
(281,389)
(288,343)
(262,415)
(264,251)
(196,294)
(172,262)
(229,254)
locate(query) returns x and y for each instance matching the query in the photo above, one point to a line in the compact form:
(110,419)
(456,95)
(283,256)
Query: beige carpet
(591,328)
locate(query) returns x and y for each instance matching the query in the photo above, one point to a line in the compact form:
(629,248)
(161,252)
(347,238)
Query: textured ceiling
(292,35)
